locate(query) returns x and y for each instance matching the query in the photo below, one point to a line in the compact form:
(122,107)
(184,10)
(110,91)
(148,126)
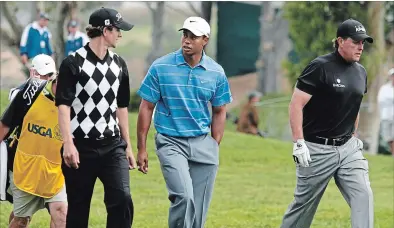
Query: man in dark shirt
(93,94)
(323,117)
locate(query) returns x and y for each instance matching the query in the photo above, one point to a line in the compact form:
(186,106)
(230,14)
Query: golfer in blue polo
(181,85)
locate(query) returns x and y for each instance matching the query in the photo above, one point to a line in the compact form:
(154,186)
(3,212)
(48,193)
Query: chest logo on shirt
(338,84)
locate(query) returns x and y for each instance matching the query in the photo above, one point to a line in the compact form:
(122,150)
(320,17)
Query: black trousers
(105,159)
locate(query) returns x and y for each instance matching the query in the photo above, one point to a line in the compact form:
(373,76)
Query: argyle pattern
(93,111)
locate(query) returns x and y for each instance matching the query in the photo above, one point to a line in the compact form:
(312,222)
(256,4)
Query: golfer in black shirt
(323,117)
(93,93)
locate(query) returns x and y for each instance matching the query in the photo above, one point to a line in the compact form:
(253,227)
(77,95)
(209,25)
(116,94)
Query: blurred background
(262,46)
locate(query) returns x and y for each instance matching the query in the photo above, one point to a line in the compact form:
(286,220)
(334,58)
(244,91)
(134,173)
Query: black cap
(353,29)
(109,17)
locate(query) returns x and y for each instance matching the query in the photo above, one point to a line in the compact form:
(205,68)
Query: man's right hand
(301,153)
(71,155)
(142,161)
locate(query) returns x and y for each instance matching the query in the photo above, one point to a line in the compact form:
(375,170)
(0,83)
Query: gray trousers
(189,166)
(350,170)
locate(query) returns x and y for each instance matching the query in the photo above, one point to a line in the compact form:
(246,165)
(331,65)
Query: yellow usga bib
(37,165)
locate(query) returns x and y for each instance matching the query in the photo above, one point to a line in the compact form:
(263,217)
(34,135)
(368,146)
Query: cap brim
(46,71)
(363,36)
(192,30)
(124,26)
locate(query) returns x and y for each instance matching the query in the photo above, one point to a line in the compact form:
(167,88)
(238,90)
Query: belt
(96,141)
(328,141)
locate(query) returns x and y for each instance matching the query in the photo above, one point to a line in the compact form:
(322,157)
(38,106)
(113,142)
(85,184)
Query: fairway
(254,186)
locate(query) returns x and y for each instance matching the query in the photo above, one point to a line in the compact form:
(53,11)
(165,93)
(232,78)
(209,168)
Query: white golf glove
(301,153)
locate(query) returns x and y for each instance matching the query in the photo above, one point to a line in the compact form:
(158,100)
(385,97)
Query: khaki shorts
(26,204)
(387,130)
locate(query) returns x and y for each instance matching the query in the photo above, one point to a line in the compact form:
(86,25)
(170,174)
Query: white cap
(44,64)
(391,72)
(197,25)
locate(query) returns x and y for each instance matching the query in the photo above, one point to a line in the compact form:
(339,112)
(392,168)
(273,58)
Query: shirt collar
(36,26)
(95,57)
(48,90)
(341,59)
(77,35)
(180,60)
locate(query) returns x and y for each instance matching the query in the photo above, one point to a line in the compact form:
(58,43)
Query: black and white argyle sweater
(94,89)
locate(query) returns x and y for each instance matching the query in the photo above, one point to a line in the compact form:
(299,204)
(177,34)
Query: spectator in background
(75,39)
(386,106)
(35,39)
(249,118)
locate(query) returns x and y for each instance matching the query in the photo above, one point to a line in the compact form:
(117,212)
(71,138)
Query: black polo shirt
(337,88)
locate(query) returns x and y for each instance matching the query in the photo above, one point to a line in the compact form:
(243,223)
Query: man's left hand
(130,158)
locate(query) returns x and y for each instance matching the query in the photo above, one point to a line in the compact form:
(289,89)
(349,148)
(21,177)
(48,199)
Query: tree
(11,37)
(273,37)
(157,12)
(375,68)
(312,27)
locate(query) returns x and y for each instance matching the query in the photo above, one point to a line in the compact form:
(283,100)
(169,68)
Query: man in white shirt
(386,108)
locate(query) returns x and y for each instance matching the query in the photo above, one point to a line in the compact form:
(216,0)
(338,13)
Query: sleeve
(17,109)
(381,94)
(222,94)
(24,40)
(150,87)
(49,45)
(13,116)
(310,79)
(366,84)
(66,49)
(66,82)
(123,97)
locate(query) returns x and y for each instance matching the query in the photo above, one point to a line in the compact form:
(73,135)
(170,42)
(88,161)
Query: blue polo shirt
(75,42)
(35,40)
(181,94)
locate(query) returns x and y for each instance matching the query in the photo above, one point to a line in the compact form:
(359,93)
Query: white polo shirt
(386,101)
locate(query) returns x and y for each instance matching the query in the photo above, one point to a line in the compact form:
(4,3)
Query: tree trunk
(34,11)
(206,10)
(261,62)
(62,10)
(157,33)
(267,64)
(10,15)
(371,119)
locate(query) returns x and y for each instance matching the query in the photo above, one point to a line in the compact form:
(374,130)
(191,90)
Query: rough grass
(254,186)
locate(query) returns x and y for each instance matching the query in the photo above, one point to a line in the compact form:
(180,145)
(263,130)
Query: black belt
(328,141)
(97,141)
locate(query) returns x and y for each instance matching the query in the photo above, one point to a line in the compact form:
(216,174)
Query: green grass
(254,186)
